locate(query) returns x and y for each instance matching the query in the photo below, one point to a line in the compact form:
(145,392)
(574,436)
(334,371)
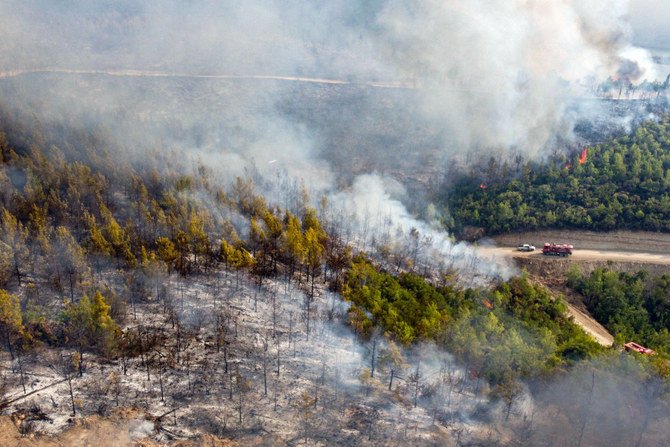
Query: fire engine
(634,347)
(557,249)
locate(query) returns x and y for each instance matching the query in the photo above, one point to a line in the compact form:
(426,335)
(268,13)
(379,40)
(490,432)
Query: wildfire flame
(583,156)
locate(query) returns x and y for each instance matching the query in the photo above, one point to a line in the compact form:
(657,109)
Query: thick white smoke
(493,74)
(499,74)
(476,76)
(382,222)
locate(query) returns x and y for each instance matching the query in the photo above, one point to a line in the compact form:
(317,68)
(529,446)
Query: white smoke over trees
(467,78)
(494,74)
(474,76)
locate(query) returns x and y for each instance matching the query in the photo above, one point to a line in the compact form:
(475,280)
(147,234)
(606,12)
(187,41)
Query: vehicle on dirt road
(525,247)
(634,347)
(557,249)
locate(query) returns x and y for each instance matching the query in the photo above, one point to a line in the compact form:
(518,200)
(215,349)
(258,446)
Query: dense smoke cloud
(649,20)
(381,221)
(493,74)
(355,98)
(322,93)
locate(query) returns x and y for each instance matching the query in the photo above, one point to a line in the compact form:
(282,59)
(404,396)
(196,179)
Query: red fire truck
(634,347)
(556,249)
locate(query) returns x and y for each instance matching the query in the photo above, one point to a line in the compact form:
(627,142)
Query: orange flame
(482,186)
(488,304)
(583,156)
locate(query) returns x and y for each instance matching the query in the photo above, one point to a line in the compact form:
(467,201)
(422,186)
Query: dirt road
(586,255)
(550,271)
(622,250)
(610,243)
(162,74)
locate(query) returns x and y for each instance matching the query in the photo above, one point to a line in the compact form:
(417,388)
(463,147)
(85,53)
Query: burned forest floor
(224,361)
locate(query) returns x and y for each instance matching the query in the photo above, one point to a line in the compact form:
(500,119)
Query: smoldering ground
(612,400)
(325,379)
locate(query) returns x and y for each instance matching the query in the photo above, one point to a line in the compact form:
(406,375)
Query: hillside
(219,314)
(270,223)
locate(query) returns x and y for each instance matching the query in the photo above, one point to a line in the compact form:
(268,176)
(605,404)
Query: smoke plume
(319,93)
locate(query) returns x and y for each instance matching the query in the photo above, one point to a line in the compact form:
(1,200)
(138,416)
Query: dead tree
(265,365)
(307,316)
(415,381)
(290,331)
(278,354)
(159,355)
(372,348)
(243,388)
(66,366)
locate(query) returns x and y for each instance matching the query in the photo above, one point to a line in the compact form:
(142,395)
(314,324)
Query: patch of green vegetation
(621,184)
(515,330)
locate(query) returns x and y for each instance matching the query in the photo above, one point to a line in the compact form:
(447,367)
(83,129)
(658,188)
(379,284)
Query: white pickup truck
(525,247)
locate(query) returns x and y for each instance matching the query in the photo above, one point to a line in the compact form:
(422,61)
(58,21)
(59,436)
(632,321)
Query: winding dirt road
(575,307)
(632,250)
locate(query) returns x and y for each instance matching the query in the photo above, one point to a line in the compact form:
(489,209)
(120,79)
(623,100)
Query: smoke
(609,401)
(326,359)
(382,222)
(493,74)
(323,94)
(649,19)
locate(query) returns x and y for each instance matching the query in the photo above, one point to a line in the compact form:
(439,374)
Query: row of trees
(72,220)
(614,88)
(622,184)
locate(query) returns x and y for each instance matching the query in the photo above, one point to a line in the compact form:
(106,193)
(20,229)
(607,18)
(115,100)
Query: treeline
(632,307)
(515,330)
(622,184)
(615,88)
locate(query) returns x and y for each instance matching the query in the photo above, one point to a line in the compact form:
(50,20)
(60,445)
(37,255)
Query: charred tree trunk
(372,362)
(160,377)
(69,383)
(265,366)
(278,357)
(21,376)
(81,359)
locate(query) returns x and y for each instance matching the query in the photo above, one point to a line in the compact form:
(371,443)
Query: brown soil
(124,427)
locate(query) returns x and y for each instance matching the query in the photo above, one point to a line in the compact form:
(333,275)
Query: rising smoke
(396,89)
(348,97)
